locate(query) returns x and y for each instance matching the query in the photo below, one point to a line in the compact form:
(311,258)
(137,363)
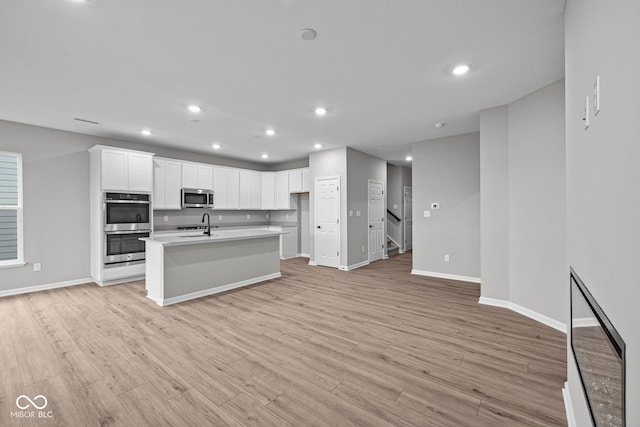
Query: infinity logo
(31,402)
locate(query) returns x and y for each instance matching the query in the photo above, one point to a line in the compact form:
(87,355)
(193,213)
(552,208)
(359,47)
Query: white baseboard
(525,312)
(103,283)
(446,276)
(304,255)
(568,406)
(48,286)
(312,262)
(216,290)
(353,266)
(401,251)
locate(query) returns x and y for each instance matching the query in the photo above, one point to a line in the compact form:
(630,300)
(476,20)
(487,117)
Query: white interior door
(376,218)
(408,218)
(327,202)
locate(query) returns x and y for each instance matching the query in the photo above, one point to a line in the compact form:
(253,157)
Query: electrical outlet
(363,249)
(435,206)
(446,258)
(37,266)
(166,217)
(267,216)
(248,216)
(286,216)
(219,217)
(350,213)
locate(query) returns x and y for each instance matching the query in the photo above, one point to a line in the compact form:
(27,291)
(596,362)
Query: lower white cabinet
(289,247)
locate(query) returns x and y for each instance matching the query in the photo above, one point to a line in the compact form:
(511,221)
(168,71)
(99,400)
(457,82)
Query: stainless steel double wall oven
(127,218)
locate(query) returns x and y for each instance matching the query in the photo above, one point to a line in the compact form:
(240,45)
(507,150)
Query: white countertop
(197,237)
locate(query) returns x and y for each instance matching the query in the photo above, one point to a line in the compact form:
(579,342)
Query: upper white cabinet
(256,190)
(250,190)
(226,188)
(219,188)
(167,183)
(233,189)
(268,190)
(124,170)
(282,196)
(305,180)
(198,176)
(295,181)
(245,189)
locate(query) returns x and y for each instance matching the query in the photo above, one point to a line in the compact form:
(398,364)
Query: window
(11,252)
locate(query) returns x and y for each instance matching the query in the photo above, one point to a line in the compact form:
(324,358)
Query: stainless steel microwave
(195,198)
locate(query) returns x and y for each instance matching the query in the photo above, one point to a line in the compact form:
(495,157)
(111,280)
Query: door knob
(371,226)
(318,227)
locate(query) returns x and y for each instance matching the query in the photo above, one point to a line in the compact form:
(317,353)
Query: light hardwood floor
(374,346)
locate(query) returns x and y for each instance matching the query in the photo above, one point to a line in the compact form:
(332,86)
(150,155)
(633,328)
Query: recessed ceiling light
(194,108)
(265,156)
(270,132)
(145,132)
(408,158)
(216,146)
(308,34)
(317,146)
(320,111)
(461,69)
(439,125)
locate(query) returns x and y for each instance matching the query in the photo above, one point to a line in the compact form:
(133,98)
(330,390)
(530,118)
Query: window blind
(9,205)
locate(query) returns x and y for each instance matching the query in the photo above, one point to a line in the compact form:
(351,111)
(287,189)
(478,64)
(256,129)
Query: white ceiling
(382,67)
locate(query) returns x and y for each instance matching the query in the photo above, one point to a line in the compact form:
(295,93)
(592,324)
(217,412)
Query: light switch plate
(427,214)
(357,213)
(596,96)
(37,266)
(395,206)
(350,213)
(585,117)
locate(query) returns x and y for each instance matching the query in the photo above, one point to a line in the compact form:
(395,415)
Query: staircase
(392,247)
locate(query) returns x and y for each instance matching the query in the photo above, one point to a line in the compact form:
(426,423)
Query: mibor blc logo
(31,407)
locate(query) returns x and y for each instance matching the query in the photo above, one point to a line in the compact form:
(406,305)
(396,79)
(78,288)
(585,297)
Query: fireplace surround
(599,352)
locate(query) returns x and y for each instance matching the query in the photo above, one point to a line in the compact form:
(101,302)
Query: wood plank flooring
(372,347)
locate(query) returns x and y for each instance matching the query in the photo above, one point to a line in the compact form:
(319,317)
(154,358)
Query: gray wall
(361,168)
(321,164)
(56,199)
(397,178)
(603,206)
(523,202)
(494,242)
(447,170)
(536,198)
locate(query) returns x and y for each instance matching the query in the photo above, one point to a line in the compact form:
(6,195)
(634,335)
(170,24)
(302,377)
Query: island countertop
(217,236)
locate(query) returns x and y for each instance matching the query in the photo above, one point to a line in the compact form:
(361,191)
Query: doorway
(327,231)
(376,220)
(408,218)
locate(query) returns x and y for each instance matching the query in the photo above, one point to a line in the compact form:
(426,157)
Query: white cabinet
(289,242)
(268,190)
(256,190)
(197,176)
(295,181)
(226,188)
(250,190)
(233,189)
(245,190)
(123,170)
(305,180)
(219,188)
(282,196)
(167,183)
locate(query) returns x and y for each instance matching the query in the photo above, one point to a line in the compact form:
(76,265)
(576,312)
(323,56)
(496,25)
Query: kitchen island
(183,267)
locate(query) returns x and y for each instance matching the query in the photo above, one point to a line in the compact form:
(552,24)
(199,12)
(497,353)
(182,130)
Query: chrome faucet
(207,231)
